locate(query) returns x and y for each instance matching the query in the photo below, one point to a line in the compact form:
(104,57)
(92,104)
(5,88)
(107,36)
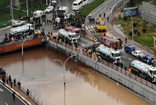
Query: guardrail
(111,65)
(12,90)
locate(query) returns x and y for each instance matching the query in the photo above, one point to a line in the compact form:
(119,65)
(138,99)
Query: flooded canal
(44,77)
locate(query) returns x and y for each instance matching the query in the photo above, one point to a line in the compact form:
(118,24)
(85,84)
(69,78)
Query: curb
(6,85)
(6,27)
(11,25)
(98,7)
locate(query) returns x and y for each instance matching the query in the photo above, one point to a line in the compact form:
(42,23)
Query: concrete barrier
(136,85)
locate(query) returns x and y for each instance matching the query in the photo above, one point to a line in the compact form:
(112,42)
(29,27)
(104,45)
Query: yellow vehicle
(100,26)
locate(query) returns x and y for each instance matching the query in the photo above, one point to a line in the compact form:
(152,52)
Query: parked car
(129,48)
(137,53)
(53,2)
(49,9)
(17,22)
(38,13)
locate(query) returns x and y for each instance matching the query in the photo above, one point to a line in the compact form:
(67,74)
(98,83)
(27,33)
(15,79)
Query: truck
(62,11)
(143,70)
(99,25)
(108,54)
(22,29)
(147,59)
(112,42)
(67,36)
(73,29)
(129,48)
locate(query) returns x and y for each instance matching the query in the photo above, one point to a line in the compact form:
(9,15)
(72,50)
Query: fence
(117,6)
(149,12)
(138,85)
(35,98)
(111,65)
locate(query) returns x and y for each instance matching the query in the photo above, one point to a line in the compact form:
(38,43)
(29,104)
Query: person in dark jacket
(15,82)
(9,79)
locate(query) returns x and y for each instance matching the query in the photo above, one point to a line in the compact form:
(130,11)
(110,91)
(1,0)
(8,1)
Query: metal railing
(111,65)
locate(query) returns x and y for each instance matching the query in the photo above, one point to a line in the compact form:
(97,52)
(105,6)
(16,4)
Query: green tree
(32,4)
(132,3)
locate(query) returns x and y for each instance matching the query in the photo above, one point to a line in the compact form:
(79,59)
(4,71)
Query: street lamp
(27,7)
(64,66)
(22,42)
(132,24)
(11,10)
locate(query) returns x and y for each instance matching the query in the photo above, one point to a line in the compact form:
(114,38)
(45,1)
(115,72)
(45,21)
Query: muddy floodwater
(44,78)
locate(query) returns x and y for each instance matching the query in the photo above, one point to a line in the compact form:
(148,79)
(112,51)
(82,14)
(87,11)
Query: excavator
(100,27)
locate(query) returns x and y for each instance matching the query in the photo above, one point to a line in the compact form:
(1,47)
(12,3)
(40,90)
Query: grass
(5,10)
(144,38)
(140,3)
(90,7)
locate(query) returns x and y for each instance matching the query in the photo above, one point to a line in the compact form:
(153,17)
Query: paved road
(7,99)
(105,8)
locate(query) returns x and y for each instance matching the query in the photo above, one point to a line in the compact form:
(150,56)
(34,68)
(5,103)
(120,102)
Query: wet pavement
(44,78)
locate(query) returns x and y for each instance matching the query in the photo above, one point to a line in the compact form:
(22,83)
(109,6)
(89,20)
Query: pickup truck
(148,59)
(129,48)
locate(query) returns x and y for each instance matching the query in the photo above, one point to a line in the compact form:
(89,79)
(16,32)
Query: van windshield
(116,55)
(74,4)
(154,72)
(72,36)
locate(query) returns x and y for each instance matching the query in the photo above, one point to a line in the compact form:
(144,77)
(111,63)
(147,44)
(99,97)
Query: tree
(32,3)
(132,3)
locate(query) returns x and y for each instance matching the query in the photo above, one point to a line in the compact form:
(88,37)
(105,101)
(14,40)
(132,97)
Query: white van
(63,10)
(53,2)
(77,5)
(38,13)
(85,2)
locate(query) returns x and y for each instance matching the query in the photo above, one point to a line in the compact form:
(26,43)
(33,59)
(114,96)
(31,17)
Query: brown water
(44,78)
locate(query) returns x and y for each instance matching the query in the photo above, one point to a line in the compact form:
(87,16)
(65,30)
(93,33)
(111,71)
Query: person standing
(15,82)
(9,79)
(19,85)
(27,92)
(3,79)
(104,15)
(126,40)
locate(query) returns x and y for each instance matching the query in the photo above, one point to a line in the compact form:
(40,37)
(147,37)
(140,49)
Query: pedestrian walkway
(117,33)
(90,27)
(20,93)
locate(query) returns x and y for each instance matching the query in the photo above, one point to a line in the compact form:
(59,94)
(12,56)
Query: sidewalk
(115,31)
(20,93)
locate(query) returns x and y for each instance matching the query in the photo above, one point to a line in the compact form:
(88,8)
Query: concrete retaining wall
(140,87)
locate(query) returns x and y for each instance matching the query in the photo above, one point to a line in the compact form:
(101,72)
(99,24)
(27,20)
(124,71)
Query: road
(83,41)
(126,58)
(7,99)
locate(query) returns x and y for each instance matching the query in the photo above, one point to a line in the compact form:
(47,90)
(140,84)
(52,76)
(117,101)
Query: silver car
(137,53)
(17,22)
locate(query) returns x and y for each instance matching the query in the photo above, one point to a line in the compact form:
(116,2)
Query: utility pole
(46,2)
(11,10)
(27,8)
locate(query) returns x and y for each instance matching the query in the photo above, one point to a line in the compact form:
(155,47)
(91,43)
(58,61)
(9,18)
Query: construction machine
(99,25)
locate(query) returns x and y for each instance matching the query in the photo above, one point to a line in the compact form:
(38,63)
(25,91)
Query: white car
(67,16)
(137,53)
(17,22)
(49,9)
(38,13)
